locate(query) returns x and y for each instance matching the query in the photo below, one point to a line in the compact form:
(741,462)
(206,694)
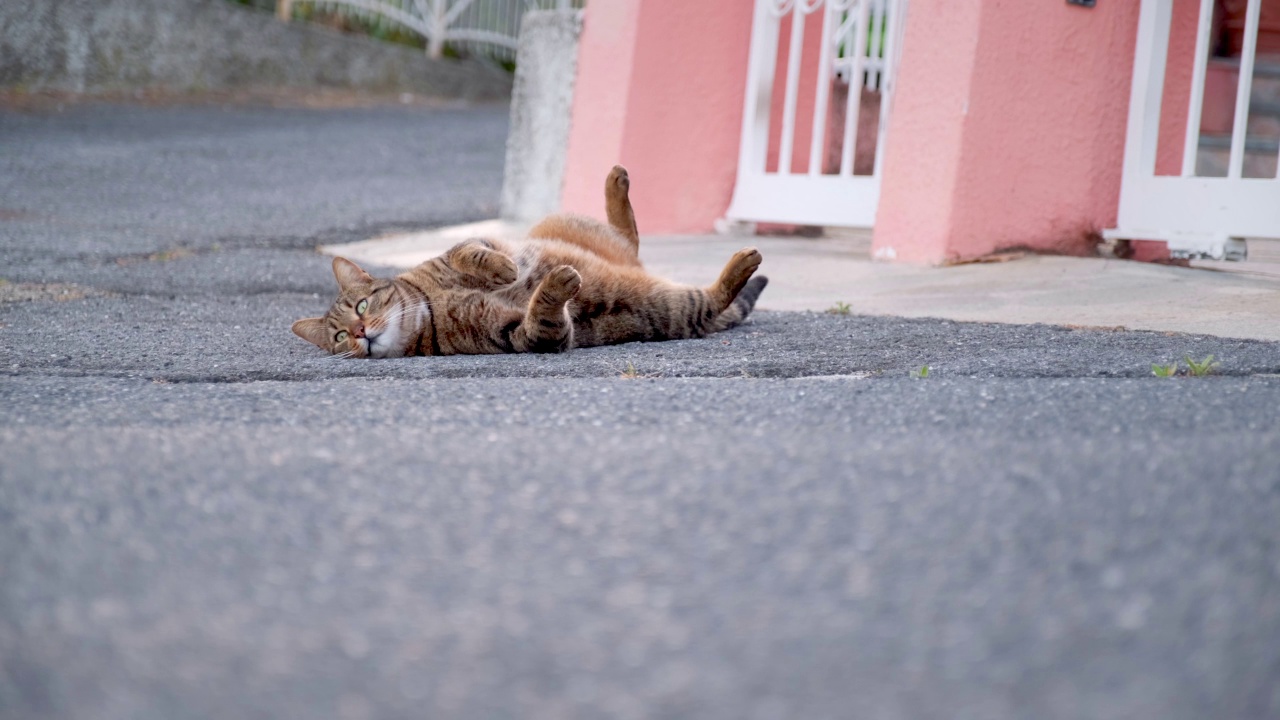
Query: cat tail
(742,304)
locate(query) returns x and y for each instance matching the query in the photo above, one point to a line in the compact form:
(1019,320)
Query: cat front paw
(561,284)
(503,271)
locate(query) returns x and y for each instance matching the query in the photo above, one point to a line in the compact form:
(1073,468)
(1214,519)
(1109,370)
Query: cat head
(365,321)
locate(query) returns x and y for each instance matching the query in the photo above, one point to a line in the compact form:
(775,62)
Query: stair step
(1267,68)
(1270,108)
(1252,144)
(1260,156)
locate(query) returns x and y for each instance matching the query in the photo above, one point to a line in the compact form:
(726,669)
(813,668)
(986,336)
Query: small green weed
(1201,368)
(631,373)
(921,372)
(1164,370)
(840,308)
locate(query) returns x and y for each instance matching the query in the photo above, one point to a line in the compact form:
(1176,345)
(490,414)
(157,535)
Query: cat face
(366,320)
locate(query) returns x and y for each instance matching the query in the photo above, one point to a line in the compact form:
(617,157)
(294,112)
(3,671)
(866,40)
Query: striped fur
(575,282)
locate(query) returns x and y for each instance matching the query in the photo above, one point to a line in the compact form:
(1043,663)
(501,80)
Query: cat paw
(503,271)
(477,259)
(745,261)
(618,181)
(735,275)
(561,284)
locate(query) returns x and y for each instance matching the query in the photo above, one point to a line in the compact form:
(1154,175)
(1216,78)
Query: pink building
(954,129)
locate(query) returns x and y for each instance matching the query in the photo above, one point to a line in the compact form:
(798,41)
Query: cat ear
(348,273)
(313,330)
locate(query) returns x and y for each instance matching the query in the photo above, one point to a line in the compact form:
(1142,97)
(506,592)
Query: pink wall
(659,90)
(606,52)
(926,132)
(1007,130)
(1177,87)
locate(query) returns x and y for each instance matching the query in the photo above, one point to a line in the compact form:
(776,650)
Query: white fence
(491,27)
(857,52)
(1198,216)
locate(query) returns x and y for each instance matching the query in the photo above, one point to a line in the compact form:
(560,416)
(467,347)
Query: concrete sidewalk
(1226,299)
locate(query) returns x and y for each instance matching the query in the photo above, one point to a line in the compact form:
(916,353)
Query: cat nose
(358,330)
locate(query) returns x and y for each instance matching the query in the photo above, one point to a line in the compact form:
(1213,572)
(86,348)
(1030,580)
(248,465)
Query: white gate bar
(1191,147)
(846,24)
(753,149)
(821,200)
(793,87)
(874,26)
(1203,205)
(1146,91)
(417,24)
(896,18)
(1244,88)
(765,194)
(853,103)
(452,14)
(485,36)
(823,89)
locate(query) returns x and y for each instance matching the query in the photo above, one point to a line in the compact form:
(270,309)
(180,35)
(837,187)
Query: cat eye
(341,336)
(364,305)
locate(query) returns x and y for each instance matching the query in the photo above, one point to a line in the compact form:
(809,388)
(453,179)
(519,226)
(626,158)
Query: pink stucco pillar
(1007,129)
(659,89)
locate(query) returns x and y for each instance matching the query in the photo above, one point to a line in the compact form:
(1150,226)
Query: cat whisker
(416,307)
(405,310)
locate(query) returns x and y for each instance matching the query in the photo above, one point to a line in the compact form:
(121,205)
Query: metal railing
(488,27)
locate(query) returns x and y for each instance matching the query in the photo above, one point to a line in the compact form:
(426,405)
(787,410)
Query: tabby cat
(575,283)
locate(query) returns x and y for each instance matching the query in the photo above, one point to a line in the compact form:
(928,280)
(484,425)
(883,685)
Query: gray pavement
(202,517)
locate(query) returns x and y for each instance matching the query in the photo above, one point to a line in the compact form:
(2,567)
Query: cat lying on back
(575,283)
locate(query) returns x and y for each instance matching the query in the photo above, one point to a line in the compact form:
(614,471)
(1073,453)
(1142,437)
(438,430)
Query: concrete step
(1260,155)
(1266,77)
(1220,97)
(1264,99)
(1264,119)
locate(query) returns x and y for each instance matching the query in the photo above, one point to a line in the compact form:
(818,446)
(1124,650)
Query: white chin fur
(387,344)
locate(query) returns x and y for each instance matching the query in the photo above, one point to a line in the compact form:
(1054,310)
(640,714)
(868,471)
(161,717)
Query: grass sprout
(631,373)
(1202,367)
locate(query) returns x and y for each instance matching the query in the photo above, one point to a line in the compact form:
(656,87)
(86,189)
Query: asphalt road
(203,517)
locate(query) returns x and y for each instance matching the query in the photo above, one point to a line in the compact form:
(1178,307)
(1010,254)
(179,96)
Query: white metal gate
(1198,216)
(857,52)
(492,26)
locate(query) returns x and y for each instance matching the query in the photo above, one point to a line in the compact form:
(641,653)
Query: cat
(575,283)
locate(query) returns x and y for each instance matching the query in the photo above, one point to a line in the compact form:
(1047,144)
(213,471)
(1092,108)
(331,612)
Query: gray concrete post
(541,105)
